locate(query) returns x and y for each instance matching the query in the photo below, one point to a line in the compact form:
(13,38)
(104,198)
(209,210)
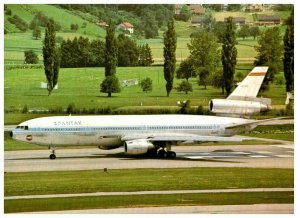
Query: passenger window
(26,127)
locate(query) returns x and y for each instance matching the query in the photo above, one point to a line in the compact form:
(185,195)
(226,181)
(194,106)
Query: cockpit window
(22,127)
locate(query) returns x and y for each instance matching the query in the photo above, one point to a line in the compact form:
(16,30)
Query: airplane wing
(181,137)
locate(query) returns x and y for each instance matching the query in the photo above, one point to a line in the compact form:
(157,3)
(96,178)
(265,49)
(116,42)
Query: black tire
(161,153)
(172,154)
(52,156)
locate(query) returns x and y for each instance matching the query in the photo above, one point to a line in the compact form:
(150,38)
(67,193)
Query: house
(196,22)
(264,20)
(126,26)
(193,8)
(257,7)
(239,21)
(197,9)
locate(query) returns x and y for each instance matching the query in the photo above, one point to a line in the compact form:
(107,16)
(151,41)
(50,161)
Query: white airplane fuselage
(107,131)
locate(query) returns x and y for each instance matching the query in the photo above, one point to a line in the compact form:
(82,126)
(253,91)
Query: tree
(269,52)
(288,55)
(145,55)
(36,32)
(149,25)
(229,54)
(74,27)
(204,52)
(170,41)
(254,31)
(128,51)
(51,56)
(184,14)
(110,85)
(203,77)
(186,70)
(208,21)
(146,85)
(217,80)
(244,31)
(111,50)
(185,87)
(30,57)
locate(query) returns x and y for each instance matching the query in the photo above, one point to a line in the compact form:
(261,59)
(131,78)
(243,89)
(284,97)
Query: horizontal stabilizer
(255,122)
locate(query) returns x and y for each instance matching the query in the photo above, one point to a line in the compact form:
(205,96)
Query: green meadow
(89,181)
(131,201)
(81,86)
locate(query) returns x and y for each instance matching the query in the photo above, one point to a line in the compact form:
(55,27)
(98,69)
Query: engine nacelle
(139,146)
(237,107)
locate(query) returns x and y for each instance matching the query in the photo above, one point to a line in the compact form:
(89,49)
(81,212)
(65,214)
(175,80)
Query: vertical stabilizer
(249,87)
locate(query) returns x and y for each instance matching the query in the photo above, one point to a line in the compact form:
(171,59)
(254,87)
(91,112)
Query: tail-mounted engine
(239,107)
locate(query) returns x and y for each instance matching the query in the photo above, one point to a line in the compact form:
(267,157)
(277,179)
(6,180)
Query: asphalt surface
(223,209)
(257,156)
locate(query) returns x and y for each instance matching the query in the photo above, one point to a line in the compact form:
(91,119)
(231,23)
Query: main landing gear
(166,154)
(52,156)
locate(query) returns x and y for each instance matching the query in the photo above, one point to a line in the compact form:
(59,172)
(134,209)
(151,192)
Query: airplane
(140,134)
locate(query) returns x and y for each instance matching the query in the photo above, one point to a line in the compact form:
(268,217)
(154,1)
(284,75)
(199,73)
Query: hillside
(86,17)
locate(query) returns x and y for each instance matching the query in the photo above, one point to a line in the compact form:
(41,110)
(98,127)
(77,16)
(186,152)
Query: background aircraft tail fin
(249,87)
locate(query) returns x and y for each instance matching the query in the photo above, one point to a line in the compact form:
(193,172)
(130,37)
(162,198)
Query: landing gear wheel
(162,153)
(171,154)
(52,156)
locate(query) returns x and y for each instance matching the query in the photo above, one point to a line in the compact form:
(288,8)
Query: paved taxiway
(256,156)
(218,209)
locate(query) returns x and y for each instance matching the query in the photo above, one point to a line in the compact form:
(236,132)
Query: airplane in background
(140,134)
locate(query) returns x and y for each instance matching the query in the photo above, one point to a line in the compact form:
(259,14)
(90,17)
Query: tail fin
(249,87)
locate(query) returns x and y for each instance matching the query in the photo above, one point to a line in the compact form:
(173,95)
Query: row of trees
(205,58)
(81,52)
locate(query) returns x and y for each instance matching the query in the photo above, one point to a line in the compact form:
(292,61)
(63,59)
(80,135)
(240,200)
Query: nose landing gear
(52,156)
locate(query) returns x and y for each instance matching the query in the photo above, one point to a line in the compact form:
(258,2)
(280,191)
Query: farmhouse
(126,26)
(196,22)
(197,9)
(264,20)
(193,8)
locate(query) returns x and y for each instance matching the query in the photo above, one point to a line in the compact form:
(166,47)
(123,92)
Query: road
(257,156)
(223,209)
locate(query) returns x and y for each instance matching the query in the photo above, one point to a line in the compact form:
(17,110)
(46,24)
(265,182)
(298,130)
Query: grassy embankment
(88,181)
(131,201)
(35,183)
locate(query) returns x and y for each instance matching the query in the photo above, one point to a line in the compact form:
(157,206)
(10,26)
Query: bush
(25,109)
(146,85)
(185,86)
(30,57)
(71,108)
(18,22)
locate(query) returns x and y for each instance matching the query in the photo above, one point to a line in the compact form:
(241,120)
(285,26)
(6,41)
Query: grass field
(81,87)
(88,181)
(81,203)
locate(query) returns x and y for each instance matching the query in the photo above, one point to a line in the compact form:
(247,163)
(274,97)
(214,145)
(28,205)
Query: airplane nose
(11,134)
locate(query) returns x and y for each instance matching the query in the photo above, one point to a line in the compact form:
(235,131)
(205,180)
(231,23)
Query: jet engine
(140,146)
(237,107)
